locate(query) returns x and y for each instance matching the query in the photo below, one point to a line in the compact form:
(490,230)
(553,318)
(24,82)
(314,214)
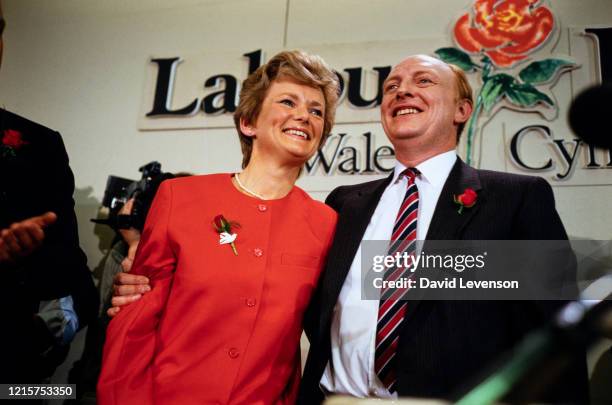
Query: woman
(232,259)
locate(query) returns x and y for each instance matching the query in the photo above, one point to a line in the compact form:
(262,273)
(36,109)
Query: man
(441,345)
(46,288)
(434,347)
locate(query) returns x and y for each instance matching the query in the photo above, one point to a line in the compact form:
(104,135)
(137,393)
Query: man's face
(420,104)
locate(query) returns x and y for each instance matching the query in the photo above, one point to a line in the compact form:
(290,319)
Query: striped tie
(392,306)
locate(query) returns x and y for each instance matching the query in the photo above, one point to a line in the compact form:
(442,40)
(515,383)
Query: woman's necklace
(243,187)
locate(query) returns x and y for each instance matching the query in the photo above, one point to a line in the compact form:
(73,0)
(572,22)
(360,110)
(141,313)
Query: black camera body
(119,190)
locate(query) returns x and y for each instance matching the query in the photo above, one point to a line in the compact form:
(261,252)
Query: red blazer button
(233,353)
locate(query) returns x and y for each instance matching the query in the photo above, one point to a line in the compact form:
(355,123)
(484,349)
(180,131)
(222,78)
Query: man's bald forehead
(426,59)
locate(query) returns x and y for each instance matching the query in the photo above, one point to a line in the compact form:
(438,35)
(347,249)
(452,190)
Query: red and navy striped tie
(392,306)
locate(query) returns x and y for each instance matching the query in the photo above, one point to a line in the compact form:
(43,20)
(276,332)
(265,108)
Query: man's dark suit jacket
(35,180)
(444,344)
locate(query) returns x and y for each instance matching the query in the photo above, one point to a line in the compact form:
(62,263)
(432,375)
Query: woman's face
(290,124)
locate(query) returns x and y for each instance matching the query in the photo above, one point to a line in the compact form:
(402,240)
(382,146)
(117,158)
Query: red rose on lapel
(13,139)
(467,199)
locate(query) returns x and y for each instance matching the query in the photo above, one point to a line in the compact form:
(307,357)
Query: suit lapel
(353,221)
(355,216)
(447,223)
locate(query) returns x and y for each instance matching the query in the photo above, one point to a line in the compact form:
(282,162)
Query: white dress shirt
(350,370)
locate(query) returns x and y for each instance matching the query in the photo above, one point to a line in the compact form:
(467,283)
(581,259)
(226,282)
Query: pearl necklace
(243,187)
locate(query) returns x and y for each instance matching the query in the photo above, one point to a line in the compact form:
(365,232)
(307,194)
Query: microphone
(589,113)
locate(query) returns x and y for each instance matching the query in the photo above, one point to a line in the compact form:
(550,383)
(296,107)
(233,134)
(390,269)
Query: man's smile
(406,111)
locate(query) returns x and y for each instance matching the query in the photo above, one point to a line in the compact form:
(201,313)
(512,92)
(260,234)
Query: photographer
(128,202)
(120,257)
(115,270)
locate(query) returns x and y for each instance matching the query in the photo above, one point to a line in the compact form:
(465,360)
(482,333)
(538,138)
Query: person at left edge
(46,289)
(222,323)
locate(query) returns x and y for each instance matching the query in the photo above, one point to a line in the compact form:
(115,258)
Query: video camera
(119,190)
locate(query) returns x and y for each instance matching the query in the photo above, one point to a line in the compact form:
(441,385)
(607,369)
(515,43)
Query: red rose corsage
(467,199)
(12,141)
(224,229)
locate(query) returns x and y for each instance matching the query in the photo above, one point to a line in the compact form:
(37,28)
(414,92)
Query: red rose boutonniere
(11,143)
(224,229)
(465,200)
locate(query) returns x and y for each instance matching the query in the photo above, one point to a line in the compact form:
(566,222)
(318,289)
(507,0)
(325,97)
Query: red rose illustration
(13,139)
(504,30)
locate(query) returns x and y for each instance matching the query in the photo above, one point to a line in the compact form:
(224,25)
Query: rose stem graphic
(486,68)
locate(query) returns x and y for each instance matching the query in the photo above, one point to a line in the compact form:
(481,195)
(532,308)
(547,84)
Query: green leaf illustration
(494,88)
(456,57)
(525,95)
(520,94)
(545,70)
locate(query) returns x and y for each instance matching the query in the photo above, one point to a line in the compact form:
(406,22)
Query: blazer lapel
(353,221)
(447,223)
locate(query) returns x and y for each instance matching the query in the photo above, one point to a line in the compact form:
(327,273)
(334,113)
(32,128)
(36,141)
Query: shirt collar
(434,170)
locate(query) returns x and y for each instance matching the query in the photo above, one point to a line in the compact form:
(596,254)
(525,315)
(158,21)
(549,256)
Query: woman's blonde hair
(304,68)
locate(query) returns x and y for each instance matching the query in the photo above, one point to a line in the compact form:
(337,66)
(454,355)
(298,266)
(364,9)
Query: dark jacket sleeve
(61,248)
(538,220)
